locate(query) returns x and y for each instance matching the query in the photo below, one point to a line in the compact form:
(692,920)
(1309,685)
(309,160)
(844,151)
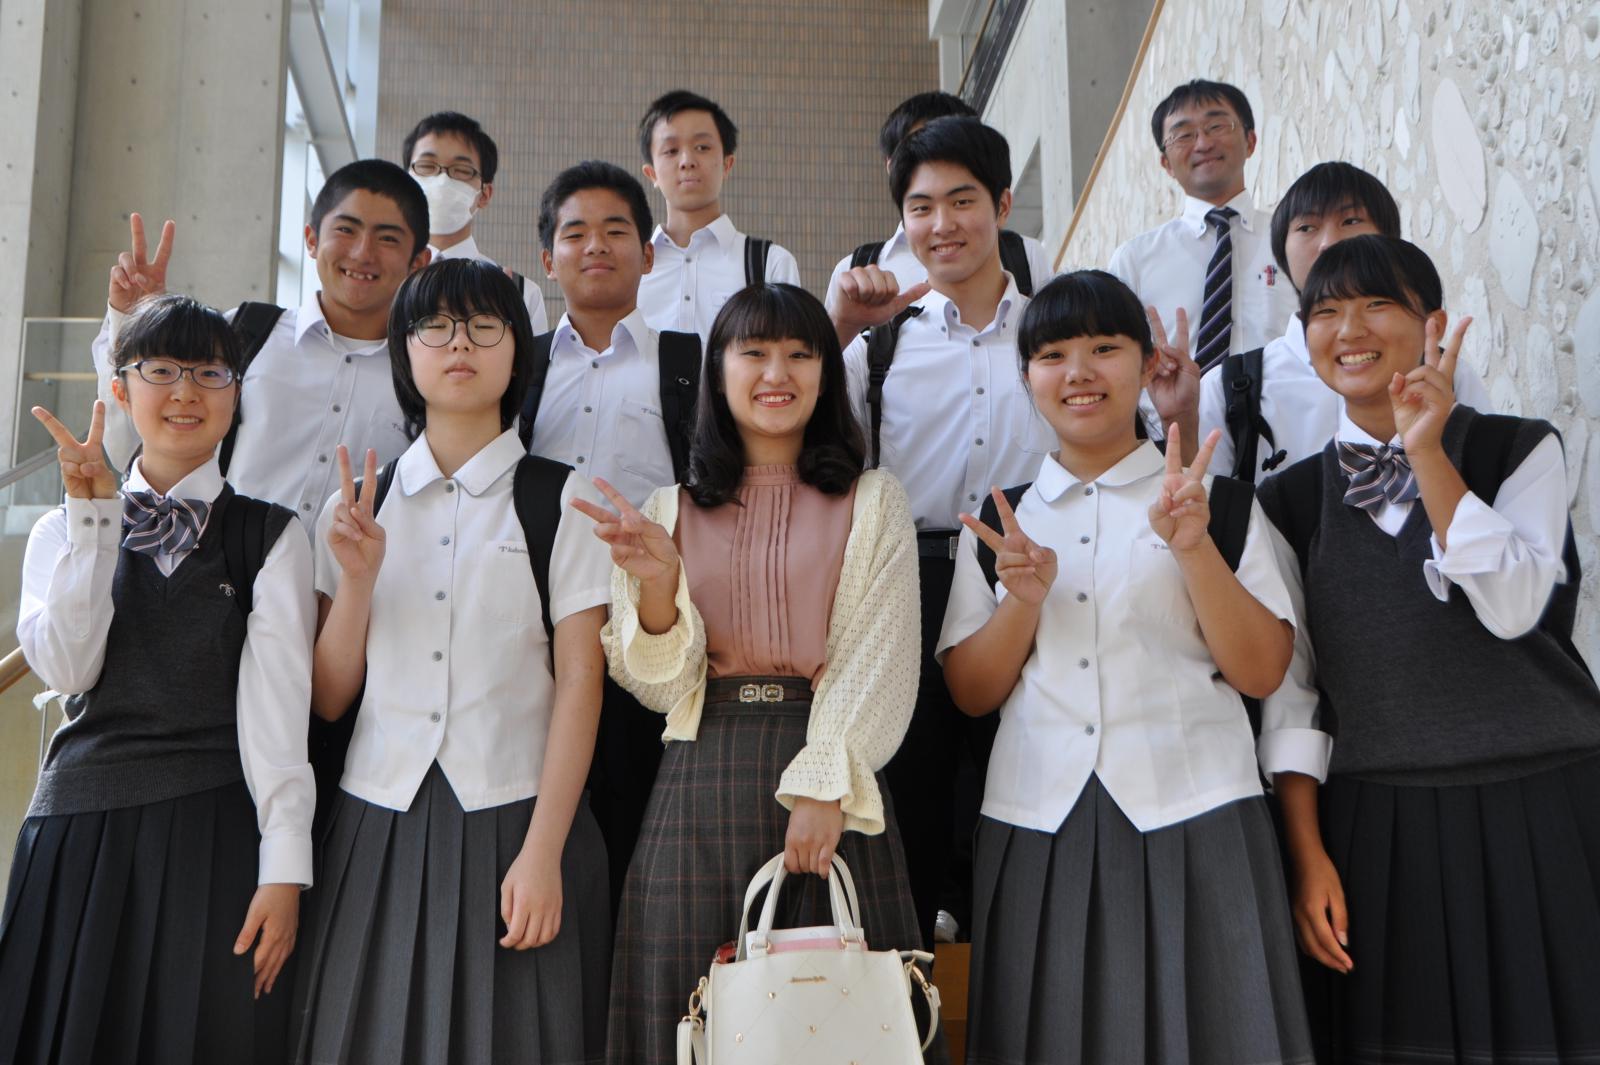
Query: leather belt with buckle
(732,690)
(937,544)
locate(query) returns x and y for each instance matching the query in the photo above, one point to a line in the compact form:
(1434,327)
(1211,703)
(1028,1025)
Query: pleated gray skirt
(400,956)
(1100,944)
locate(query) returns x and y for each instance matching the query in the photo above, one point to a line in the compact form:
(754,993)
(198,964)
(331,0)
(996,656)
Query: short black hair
(593,174)
(383,178)
(465,128)
(1084,303)
(459,287)
(967,142)
(677,101)
(1200,91)
(1373,265)
(833,452)
(1332,187)
(916,111)
(180,328)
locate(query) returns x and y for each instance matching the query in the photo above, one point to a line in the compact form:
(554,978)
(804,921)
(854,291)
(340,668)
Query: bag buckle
(761,693)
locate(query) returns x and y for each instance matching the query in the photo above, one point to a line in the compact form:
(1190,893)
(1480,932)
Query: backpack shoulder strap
(536,376)
(678,359)
(881,342)
(250,528)
(536,491)
(756,250)
(866,254)
(989,514)
(252,323)
(1243,379)
(1291,500)
(1014,257)
(1230,500)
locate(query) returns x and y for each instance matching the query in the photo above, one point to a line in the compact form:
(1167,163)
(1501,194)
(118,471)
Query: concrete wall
(1482,120)
(558,81)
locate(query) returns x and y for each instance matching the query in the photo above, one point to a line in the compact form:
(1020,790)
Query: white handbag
(808,996)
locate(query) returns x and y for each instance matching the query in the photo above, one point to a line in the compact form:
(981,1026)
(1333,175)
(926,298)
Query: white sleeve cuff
(1295,750)
(94,522)
(659,657)
(284,858)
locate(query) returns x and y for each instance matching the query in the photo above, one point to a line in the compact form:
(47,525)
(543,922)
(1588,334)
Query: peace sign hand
(135,275)
(84,472)
(1025,569)
(1182,511)
(356,538)
(1175,388)
(640,547)
(1422,399)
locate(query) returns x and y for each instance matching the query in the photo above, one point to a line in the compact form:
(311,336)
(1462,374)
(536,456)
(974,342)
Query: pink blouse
(763,571)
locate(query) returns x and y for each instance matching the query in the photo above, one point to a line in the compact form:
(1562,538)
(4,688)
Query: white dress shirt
(532,295)
(686,287)
(957,418)
(898,258)
(601,410)
(1303,412)
(458,663)
(1167,267)
(308,391)
(1126,690)
(65,616)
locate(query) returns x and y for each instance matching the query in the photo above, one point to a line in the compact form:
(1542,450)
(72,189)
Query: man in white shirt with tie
(1215,260)
(456,163)
(688,144)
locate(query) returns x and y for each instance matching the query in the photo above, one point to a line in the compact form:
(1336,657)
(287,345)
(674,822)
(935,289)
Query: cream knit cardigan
(864,700)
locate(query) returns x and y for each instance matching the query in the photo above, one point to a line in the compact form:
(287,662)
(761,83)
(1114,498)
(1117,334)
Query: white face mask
(451,203)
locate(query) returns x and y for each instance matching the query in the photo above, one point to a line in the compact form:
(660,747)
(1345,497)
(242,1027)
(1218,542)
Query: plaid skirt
(711,823)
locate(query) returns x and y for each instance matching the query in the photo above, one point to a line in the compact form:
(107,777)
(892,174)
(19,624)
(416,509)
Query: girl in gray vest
(1449,870)
(155,888)
(463,916)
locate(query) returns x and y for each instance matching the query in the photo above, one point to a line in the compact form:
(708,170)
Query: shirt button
(104,522)
(305,506)
(1089,491)
(1083,597)
(337,408)
(1088,730)
(686,299)
(1083,539)
(322,458)
(1083,663)
(588,410)
(580,460)
(980,390)
(979,441)
(348,358)
(438,656)
(594,364)
(449,486)
(444,541)
(439,596)
(972,498)
(434,717)
(88,521)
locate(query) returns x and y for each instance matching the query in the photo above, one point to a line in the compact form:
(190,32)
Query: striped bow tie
(1378,474)
(154,525)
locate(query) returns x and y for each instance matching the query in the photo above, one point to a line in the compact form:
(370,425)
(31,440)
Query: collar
(466,249)
(1351,433)
(628,336)
(1143,461)
(720,229)
(895,242)
(310,318)
(203,483)
(1194,213)
(1295,334)
(943,308)
(418,469)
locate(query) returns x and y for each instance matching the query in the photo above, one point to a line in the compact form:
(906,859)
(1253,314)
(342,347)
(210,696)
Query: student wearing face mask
(455,162)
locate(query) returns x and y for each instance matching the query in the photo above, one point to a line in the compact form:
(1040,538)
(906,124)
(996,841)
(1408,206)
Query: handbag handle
(841,898)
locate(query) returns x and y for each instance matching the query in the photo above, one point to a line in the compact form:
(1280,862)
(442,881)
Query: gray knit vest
(161,721)
(1421,692)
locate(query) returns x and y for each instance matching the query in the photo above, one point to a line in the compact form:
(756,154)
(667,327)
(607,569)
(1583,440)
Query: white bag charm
(808,996)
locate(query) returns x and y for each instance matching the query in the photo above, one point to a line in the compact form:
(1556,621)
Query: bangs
(179,328)
(456,286)
(1373,266)
(774,312)
(1085,303)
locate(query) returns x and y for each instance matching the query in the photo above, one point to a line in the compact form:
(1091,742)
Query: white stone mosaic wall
(1481,117)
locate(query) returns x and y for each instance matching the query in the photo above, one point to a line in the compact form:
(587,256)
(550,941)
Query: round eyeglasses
(167,372)
(437,330)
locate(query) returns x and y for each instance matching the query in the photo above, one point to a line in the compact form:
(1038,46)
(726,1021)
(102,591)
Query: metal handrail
(13,667)
(27,466)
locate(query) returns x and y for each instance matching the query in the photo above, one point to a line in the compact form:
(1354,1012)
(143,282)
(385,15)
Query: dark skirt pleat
(1474,921)
(117,941)
(711,823)
(1098,943)
(401,957)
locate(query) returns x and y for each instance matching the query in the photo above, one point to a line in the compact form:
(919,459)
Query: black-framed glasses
(167,372)
(437,330)
(459,171)
(1214,129)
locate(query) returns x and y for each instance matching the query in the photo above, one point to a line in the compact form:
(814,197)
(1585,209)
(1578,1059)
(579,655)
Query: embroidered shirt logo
(226,589)
(1271,274)
(808,979)
(512,549)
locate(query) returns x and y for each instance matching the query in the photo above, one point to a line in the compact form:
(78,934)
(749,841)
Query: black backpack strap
(679,362)
(1292,501)
(536,491)
(1242,382)
(867,254)
(253,324)
(881,342)
(536,376)
(989,514)
(1014,257)
(250,528)
(756,250)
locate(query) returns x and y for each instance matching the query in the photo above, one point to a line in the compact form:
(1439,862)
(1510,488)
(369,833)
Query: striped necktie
(1379,474)
(1216,311)
(155,525)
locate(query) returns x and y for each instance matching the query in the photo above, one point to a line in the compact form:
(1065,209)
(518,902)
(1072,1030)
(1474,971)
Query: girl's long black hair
(834,450)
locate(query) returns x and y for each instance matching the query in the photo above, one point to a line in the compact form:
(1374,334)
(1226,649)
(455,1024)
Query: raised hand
(1025,569)
(356,538)
(1182,511)
(869,296)
(639,546)
(1175,388)
(1423,398)
(84,471)
(135,274)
